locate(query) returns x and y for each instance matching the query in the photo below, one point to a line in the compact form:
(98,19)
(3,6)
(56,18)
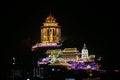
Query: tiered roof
(70,50)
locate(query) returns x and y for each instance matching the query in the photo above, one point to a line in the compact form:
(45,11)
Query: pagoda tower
(50,33)
(84,52)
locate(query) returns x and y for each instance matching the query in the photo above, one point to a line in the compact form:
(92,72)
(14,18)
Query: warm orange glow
(50,33)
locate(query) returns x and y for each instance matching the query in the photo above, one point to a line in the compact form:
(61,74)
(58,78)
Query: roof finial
(50,14)
(84,46)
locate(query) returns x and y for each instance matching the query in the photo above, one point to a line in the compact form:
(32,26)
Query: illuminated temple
(72,58)
(50,34)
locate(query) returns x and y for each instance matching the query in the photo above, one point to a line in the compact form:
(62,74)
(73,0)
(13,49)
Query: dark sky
(89,22)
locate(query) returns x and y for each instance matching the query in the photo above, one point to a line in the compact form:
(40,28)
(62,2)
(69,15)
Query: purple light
(48,45)
(83,65)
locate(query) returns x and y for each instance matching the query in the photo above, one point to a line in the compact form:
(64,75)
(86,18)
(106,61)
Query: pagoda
(50,34)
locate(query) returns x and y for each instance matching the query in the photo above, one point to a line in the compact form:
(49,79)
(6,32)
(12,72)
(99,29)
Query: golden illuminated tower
(50,34)
(50,31)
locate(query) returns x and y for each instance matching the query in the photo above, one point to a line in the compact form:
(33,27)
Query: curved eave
(50,27)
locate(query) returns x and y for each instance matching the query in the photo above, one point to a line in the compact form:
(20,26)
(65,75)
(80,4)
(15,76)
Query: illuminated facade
(70,57)
(70,54)
(50,33)
(84,52)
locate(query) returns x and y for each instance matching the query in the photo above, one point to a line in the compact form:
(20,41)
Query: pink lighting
(71,57)
(77,65)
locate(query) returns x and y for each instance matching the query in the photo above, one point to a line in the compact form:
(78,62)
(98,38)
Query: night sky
(89,22)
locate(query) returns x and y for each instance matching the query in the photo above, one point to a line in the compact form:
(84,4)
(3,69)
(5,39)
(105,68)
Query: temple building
(70,54)
(70,57)
(50,34)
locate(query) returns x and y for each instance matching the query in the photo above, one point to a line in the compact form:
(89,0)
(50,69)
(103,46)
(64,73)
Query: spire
(84,46)
(50,14)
